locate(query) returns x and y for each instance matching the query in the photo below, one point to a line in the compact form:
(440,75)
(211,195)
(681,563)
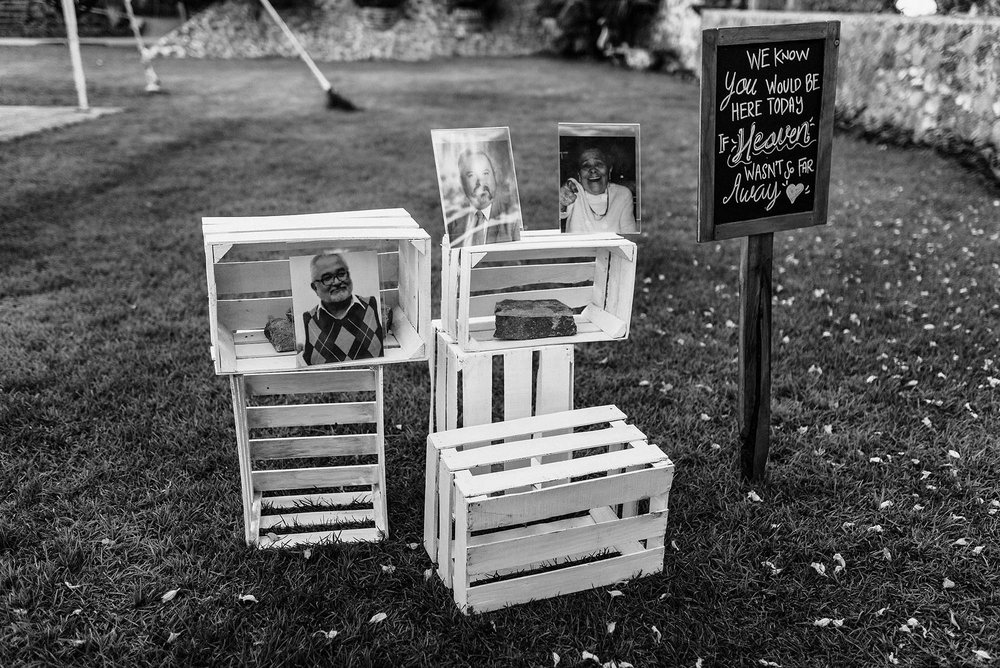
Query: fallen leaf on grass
(699,662)
(169,596)
(884,505)
(643,383)
(75,642)
(248,598)
(954,622)
(377,618)
(765,662)
(774,569)
(674,545)
(107,542)
(614,593)
(72,586)
(877,528)
(657,636)
(427,575)
(978,549)
(584,655)
(912,621)
(961,541)
(329,635)
(611,627)
(948,584)
(881,611)
(173,636)
(413,546)
(617,664)
(954,455)
(893,660)
(819,568)
(75,612)
(841,564)
(753,496)
(555,659)
(388,569)
(983,655)
(825,621)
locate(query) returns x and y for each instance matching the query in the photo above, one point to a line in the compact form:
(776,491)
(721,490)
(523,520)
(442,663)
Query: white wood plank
(312,382)
(236,314)
(460,581)
(503,480)
(549,545)
(537,447)
(328,499)
(225,351)
(295,520)
(555,380)
(339,445)
(612,326)
(431,463)
(380,501)
(499,278)
(238,391)
(328,237)
(514,509)
(477,390)
(370,535)
(491,596)
(517,384)
(446,501)
(477,573)
(540,423)
(308,415)
(246,277)
(322,476)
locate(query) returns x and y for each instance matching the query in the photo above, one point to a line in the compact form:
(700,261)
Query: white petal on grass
(912,621)
(947,584)
(662,596)
(765,662)
(329,635)
(76,612)
(643,383)
(753,496)
(611,627)
(886,554)
(961,541)
(427,574)
(615,592)
(705,417)
(871,379)
(825,621)
(874,460)
(983,655)
(893,660)
(954,622)
(841,564)
(413,546)
(555,659)
(924,475)
(927,422)
(876,528)
(378,618)
(169,596)
(884,505)
(774,569)
(173,636)
(657,636)
(881,611)
(388,568)
(819,568)
(248,598)
(68,585)
(699,663)
(978,549)
(838,622)
(307,553)
(828,429)
(584,655)
(954,455)
(674,545)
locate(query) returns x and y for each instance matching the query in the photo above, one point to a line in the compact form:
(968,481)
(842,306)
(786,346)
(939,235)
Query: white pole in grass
(152,81)
(69,15)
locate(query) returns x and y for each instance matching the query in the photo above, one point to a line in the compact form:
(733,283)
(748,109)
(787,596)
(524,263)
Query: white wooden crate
(320,490)
(591,273)
(247,262)
(603,523)
(526,381)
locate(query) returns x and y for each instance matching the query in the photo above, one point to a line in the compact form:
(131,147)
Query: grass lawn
(118,472)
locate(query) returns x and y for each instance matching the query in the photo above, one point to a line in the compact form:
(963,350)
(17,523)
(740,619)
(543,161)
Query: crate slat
(312,382)
(498,278)
(339,445)
(232,278)
(294,520)
(536,424)
(311,415)
(320,537)
(534,475)
(340,219)
(466,459)
(484,306)
(237,314)
(514,509)
(317,477)
(330,499)
(491,596)
(556,544)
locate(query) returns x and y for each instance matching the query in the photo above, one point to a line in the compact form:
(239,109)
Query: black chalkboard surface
(767,126)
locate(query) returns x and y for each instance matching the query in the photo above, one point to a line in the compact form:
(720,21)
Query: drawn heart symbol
(794,190)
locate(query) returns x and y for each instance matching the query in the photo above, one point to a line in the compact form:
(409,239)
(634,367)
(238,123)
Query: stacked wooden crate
(311,441)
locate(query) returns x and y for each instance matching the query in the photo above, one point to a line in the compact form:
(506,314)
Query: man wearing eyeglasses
(342,326)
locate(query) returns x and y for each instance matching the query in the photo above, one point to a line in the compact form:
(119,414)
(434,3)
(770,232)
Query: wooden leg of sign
(755,354)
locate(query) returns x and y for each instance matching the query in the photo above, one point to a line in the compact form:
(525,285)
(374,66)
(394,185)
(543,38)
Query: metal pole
(69,15)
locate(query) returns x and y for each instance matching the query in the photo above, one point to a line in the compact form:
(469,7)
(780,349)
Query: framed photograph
(599,178)
(336,307)
(479,200)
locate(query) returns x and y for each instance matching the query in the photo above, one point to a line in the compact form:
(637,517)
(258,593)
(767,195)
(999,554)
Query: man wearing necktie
(488,221)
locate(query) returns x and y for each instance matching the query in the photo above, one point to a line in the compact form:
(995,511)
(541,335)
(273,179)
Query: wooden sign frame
(712,39)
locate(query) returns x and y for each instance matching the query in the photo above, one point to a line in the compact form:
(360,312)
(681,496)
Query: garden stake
(152,81)
(333,99)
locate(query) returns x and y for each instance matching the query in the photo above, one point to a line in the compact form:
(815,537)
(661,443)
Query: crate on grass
(593,274)
(249,281)
(311,450)
(472,388)
(508,535)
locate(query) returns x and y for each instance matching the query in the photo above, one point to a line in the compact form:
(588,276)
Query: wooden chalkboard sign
(767,127)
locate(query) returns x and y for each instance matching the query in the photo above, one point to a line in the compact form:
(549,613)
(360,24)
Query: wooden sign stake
(755,354)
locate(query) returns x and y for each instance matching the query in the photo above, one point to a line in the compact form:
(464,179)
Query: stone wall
(339,30)
(932,80)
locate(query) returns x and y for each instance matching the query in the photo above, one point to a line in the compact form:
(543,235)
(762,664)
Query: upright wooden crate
(531,381)
(593,274)
(248,280)
(604,522)
(319,492)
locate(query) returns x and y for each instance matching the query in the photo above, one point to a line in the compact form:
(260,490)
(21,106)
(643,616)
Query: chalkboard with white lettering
(767,126)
